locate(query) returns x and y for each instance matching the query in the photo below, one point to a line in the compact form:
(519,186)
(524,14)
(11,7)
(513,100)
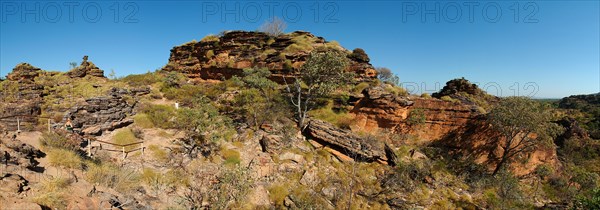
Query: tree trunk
(500,164)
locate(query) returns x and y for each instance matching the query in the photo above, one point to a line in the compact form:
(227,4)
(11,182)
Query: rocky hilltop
(193,136)
(221,57)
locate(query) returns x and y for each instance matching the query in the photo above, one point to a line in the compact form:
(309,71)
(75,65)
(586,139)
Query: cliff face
(456,126)
(217,58)
(379,109)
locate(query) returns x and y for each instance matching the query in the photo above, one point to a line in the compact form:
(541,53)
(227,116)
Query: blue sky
(540,48)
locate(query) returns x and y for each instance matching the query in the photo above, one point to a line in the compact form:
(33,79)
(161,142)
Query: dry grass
(53,193)
(64,158)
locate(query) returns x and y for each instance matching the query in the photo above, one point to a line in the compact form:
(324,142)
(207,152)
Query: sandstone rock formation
(345,141)
(24,73)
(86,68)
(21,98)
(100,114)
(381,109)
(456,126)
(226,56)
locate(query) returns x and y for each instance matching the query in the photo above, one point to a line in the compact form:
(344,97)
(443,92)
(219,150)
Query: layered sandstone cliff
(217,58)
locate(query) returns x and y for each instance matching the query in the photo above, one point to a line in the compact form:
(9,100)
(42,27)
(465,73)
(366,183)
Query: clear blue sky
(550,46)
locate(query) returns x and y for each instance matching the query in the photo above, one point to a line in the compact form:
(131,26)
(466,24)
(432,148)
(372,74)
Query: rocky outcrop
(458,127)
(347,142)
(23,115)
(85,68)
(381,109)
(100,114)
(223,57)
(24,73)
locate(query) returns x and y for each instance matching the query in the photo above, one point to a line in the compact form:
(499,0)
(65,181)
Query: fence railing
(22,118)
(116,147)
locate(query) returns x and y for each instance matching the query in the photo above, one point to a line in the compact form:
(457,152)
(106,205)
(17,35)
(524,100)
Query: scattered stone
(292,156)
(309,178)
(13,183)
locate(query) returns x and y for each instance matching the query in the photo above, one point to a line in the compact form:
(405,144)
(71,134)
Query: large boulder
(347,142)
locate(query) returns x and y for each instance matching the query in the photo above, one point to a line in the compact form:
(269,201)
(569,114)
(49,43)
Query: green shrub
(143,120)
(210,38)
(277,193)
(159,154)
(449,99)
(232,157)
(416,117)
(125,136)
(137,80)
(121,179)
(55,140)
(425,95)
(396,90)
(359,55)
(160,115)
(340,119)
(210,54)
(64,158)
(360,87)
(591,202)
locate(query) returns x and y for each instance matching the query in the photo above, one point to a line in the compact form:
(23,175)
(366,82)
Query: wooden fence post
(89,148)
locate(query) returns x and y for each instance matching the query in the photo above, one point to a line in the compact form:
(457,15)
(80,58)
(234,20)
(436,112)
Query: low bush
(210,38)
(55,140)
(139,80)
(232,157)
(143,120)
(53,193)
(277,194)
(125,136)
(64,158)
(121,179)
(160,115)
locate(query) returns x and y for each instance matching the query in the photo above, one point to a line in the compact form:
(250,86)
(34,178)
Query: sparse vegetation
(64,158)
(274,27)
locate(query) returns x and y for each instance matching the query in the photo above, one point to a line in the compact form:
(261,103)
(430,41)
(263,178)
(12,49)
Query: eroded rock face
(86,68)
(459,127)
(381,109)
(100,114)
(345,141)
(24,113)
(228,55)
(24,73)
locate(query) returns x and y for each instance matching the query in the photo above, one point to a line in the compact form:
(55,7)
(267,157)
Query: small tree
(73,65)
(322,73)
(274,27)
(523,125)
(387,76)
(260,101)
